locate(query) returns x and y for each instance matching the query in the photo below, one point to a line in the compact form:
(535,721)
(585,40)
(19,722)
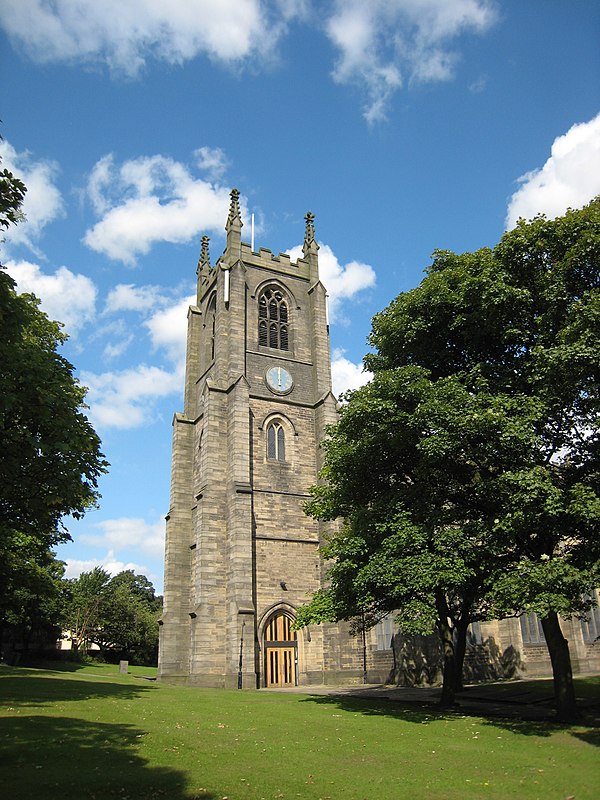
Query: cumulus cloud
(341,282)
(127,297)
(149,200)
(384,43)
(213,161)
(65,296)
(345,375)
(118,348)
(126,35)
(43,202)
(113,565)
(129,533)
(127,398)
(570,178)
(168,329)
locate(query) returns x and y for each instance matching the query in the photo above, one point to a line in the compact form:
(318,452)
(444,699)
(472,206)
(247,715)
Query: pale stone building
(241,555)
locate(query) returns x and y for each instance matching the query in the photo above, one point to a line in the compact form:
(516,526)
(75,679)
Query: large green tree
(119,615)
(50,458)
(32,600)
(467,471)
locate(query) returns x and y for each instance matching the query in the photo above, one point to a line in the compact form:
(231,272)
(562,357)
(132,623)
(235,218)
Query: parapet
(281,263)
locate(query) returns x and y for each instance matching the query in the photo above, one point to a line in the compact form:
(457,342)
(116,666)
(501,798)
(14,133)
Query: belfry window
(276,441)
(273,330)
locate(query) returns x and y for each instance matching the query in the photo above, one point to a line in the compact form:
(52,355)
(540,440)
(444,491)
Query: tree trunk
(449,668)
(558,648)
(460,648)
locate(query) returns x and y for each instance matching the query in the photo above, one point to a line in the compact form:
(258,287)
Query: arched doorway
(280,649)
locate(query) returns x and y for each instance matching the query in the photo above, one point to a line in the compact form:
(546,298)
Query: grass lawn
(92,733)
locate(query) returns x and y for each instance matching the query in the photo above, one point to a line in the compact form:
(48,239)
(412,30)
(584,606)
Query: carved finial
(309,236)
(204,260)
(204,254)
(234,209)
(310,247)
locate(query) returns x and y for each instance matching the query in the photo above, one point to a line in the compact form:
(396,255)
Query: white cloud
(213,161)
(129,533)
(341,282)
(127,399)
(168,329)
(570,178)
(118,348)
(65,296)
(113,565)
(149,200)
(345,374)
(383,43)
(127,297)
(43,202)
(124,35)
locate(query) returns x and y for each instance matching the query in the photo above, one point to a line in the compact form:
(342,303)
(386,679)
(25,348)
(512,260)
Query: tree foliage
(50,458)
(32,597)
(467,470)
(119,615)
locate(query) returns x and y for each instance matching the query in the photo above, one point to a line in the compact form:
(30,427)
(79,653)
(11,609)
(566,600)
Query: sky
(405,126)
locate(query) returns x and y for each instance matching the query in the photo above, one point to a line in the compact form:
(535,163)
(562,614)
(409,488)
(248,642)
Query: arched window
(273,323)
(276,441)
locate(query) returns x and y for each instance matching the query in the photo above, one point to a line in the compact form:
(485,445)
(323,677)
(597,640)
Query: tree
(130,627)
(31,603)
(12,194)
(410,467)
(83,615)
(475,449)
(50,458)
(119,615)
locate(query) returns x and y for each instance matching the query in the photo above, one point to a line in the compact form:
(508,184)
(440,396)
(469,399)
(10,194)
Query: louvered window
(273,319)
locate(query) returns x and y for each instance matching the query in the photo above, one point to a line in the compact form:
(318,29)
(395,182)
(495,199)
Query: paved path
(507,699)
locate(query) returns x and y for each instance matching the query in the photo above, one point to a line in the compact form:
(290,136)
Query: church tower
(241,555)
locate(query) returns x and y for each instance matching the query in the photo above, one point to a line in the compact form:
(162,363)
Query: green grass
(92,733)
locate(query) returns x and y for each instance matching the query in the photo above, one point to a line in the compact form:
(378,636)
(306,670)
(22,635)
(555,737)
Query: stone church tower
(241,555)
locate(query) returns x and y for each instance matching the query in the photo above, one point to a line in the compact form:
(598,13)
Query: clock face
(279,380)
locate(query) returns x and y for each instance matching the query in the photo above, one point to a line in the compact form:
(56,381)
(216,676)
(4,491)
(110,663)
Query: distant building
(241,555)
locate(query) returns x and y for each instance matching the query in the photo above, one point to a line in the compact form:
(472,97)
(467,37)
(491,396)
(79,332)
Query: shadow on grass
(26,689)
(417,712)
(58,757)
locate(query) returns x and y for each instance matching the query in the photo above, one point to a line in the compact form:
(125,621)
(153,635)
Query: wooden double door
(280,649)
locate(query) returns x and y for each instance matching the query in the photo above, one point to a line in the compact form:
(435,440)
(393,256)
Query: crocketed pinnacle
(234,219)
(204,260)
(310,245)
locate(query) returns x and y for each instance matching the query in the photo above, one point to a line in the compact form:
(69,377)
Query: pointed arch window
(273,323)
(275,441)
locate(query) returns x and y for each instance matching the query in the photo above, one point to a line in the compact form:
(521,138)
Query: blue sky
(404,125)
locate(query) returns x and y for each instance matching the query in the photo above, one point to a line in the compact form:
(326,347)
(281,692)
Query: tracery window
(275,441)
(385,630)
(531,629)
(590,625)
(273,323)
